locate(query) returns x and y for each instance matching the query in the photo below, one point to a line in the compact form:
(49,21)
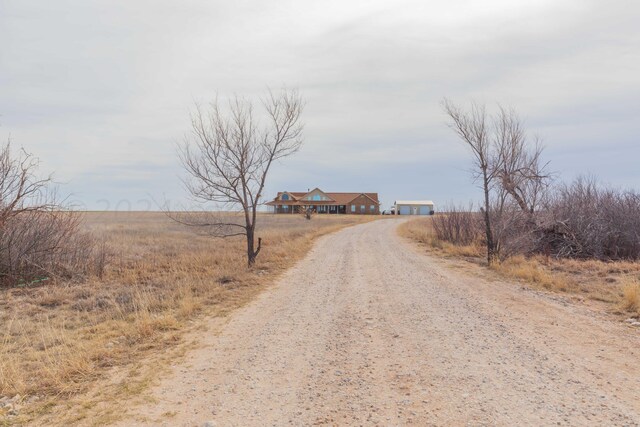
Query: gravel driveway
(369,331)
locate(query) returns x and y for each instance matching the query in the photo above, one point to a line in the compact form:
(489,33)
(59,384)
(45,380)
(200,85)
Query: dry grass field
(59,339)
(614,284)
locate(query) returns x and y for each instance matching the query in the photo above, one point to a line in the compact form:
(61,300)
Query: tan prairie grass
(611,283)
(59,338)
(631,296)
(535,271)
(421,231)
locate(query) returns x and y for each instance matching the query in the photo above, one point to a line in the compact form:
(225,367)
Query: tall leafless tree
(228,157)
(472,127)
(509,168)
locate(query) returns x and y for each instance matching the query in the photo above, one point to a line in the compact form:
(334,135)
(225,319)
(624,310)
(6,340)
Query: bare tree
(511,172)
(518,163)
(472,127)
(228,157)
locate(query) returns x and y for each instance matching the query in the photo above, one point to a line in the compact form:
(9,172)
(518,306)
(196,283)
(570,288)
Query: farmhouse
(414,207)
(326,203)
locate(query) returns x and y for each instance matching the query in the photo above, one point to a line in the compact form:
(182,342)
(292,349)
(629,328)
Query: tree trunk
(510,188)
(251,257)
(252,253)
(491,245)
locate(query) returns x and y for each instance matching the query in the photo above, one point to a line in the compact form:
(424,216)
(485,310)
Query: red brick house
(326,203)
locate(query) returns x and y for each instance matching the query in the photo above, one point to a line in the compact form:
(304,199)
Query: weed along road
(367,330)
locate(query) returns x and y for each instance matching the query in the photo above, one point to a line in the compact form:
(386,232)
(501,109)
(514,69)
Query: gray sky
(101,91)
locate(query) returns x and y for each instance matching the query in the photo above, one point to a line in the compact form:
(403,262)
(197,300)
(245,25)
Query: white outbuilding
(414,207)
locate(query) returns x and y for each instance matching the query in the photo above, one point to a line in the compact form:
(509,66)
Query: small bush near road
(458,226)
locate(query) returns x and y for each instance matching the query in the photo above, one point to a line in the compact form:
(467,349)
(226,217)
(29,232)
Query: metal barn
(414,207)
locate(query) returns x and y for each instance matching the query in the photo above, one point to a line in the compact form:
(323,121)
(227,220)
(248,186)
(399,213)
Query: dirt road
(369,331)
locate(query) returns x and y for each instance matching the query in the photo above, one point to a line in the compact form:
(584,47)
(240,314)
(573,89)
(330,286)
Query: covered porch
(292,208)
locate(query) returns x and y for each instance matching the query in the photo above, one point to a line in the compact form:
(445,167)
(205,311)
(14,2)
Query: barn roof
(414,202)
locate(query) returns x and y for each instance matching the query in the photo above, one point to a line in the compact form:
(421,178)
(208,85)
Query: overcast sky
(101,91)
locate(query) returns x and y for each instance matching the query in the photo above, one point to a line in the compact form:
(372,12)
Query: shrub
(458,225)
(587,220)
(41,245)
(39,239)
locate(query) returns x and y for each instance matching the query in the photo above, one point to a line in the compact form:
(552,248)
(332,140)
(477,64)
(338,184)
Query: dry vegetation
(60,337)
(631,296)
(40,238)
(614,283)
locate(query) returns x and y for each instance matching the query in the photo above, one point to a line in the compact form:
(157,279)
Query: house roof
(295,196)
(414,202)
(317,190)
(338,198)
(344,198)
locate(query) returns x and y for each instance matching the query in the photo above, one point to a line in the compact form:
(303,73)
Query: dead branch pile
(587,220)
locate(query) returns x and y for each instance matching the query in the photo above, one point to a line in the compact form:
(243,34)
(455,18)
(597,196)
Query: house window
(316,197)
(353,208)
(372,208)
(361,208)
(285,197)
(285,208)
